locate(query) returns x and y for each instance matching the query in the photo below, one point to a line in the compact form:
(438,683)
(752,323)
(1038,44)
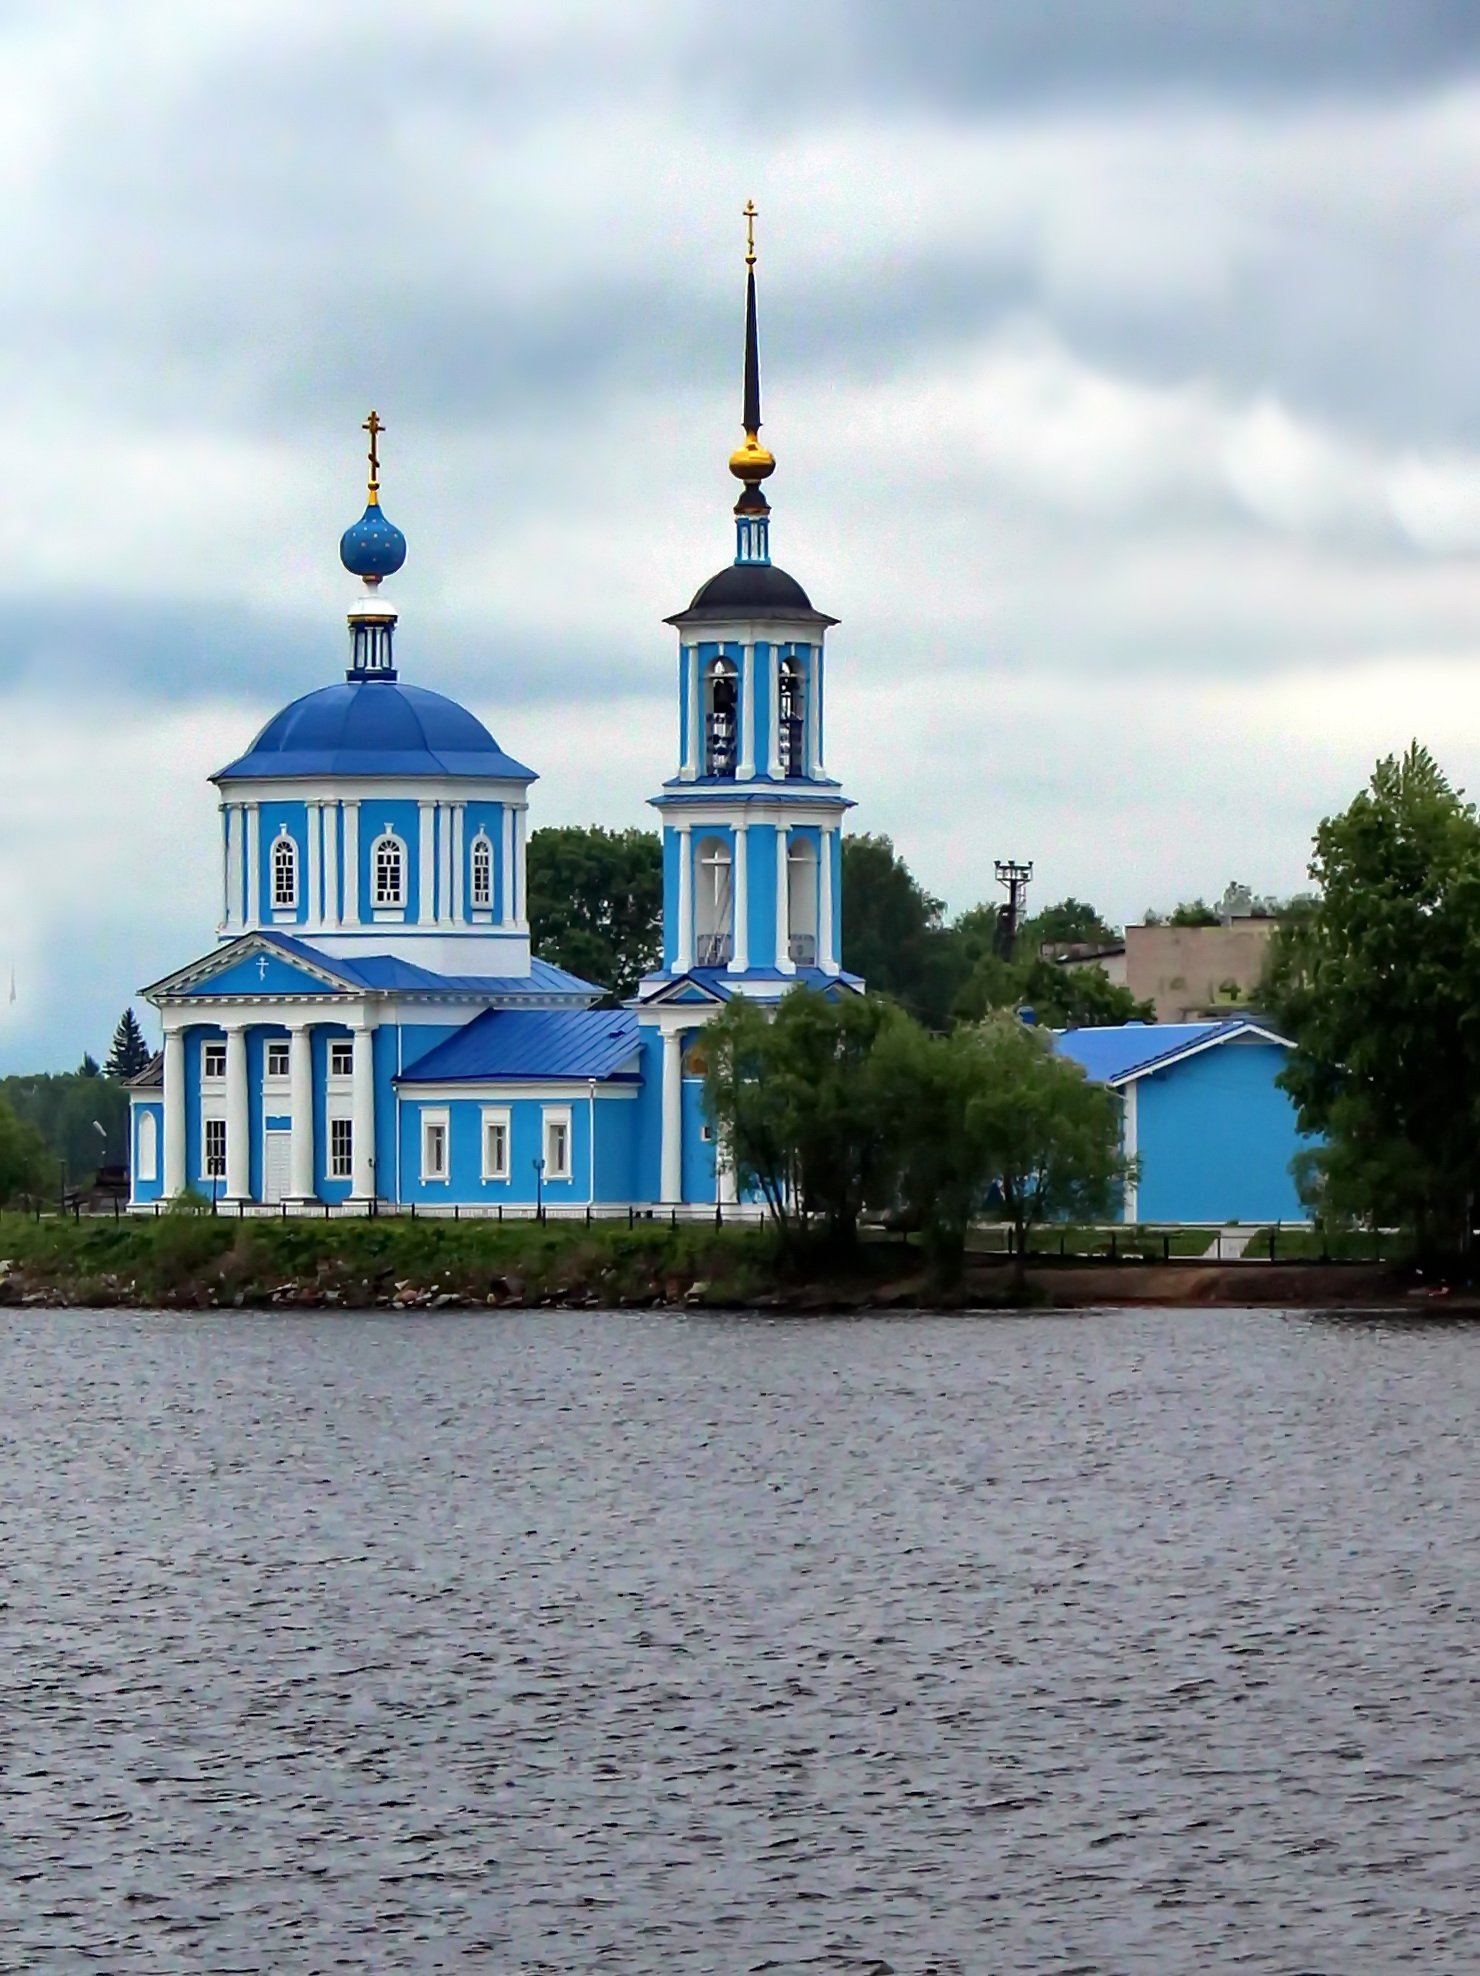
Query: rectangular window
(341,1149)
(495,1145)
(341,1059)
(277,1060)
(434,1145)
(215,1149)
(213,1060)
(557,1145)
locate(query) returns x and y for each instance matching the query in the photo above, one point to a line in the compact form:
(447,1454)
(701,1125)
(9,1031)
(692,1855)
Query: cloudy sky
(1120,361)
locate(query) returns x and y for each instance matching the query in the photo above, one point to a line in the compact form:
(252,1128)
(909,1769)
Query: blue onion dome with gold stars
(374,547)
(752,586)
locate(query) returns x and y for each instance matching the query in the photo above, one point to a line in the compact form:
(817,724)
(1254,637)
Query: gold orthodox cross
(750,219)
(374,426)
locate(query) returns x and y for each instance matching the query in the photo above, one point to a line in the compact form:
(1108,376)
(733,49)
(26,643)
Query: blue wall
(1216,1136)
(698,1152)
(616,1132)
(147,1190)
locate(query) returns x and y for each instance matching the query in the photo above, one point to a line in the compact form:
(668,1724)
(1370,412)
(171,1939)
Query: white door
(277,1168)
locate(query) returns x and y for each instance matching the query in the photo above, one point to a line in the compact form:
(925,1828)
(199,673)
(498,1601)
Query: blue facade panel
(1216,1136)
(765,667)
(152,1188)
(698,1149)
(761,877)
(403,820)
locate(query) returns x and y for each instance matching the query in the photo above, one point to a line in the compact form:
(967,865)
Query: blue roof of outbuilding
(532,1044)
(374,727)
(1115,1055)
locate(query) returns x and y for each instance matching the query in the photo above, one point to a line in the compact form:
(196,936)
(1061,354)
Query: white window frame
(341,1164)
(280,1047)
(480,852)
(213,1053)
(345,1043)
(212,1167)
(434,1120)
(497,1117)
(283,858)
(147,1156)
(388,839)
(554,1117)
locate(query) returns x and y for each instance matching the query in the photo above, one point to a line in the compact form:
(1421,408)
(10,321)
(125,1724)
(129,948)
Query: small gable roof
(234,969)
(533,1044)
(1122,1052)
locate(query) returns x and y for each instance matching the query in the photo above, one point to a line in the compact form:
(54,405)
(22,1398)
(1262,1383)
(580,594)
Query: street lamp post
(539,1189)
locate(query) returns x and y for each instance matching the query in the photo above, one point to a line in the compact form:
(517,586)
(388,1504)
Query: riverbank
(203,1262)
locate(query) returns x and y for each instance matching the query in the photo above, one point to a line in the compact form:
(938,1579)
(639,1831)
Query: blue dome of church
(374,546)
(374,727)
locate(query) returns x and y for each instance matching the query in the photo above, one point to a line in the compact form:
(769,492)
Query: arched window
(801,902)
(388,872)
(792,709)
(284,873)
(482,870)
(148,1147)
(721,698)
(713,903)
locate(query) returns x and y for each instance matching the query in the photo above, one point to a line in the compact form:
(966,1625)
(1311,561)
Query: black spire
(750,418)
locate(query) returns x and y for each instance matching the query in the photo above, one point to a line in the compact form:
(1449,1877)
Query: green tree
(130,1053)
(81,1119)
(894,933)
(1060,997)
(26,1169)
(1375,987)
(1070,923)
(596,903)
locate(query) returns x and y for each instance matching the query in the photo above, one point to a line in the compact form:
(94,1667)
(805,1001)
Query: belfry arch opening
(721,704)
(801,902)
(714,903)
(792,717)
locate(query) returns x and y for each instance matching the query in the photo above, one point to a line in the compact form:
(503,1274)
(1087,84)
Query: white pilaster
(814,712)
(521,818)
(251,822)
(683,955)
(300,1104)
(363,1112)
(315,913)
(783,906)
(331,864)
(1129,1135)
(692,752)
(506,872)
(747,715)
(740,950)
(671,1185)
(773,700)
(231,864)
(351,903)
(459,860)
(426,902)
(444,864)
(238,1118)
(827,939)
(174,1113)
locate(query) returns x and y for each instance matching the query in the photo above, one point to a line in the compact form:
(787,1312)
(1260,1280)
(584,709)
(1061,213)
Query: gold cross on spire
(374,425)
(750,219)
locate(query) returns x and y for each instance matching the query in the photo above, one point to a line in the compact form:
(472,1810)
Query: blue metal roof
(533,1044)
(374,727)
(389,972)
(1116,1055)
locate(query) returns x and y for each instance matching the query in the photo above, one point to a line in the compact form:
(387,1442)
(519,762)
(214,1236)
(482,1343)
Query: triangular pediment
(254,965)
(685,992)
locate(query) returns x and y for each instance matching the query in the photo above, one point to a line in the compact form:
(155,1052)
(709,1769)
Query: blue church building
(371,1025)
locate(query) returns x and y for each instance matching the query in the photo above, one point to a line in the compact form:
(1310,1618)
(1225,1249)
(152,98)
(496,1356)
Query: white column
(783,906)
(363,1103)
(300,1103)
(444,864)
(230,866)
(691,752)
(517,879)
(459,859)
(1131,1210)
(426,903)
(817,745)
(174,1113)
(773,697)
(827,943)
(352,863)
(315,913)
(672,1158)
(238,1118)
(506,873)
(747,715)
(740,952)
(683,953)
(331,864)
(726,1188)
(814,712)
(251,819)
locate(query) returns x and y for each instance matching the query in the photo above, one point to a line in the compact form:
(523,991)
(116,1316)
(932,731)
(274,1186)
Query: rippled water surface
(1143,1641)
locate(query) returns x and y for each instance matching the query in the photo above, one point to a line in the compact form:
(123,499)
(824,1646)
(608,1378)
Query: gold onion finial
(374,426)
(751,462)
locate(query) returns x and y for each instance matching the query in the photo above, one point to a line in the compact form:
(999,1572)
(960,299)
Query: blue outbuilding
(1212,1130)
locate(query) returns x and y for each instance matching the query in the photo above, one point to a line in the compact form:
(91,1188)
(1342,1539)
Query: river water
(1132,1642)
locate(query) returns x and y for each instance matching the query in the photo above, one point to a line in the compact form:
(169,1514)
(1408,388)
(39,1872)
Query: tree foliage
(1060,997)
(894,932)
(1375,986)
(26,1168)
(1069,923)
(596,903)
(65,1112)
(129,1053)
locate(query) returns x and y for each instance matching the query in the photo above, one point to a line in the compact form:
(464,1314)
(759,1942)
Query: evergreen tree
(130,1053)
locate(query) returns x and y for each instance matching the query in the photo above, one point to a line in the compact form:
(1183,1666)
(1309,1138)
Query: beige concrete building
(1186,972)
